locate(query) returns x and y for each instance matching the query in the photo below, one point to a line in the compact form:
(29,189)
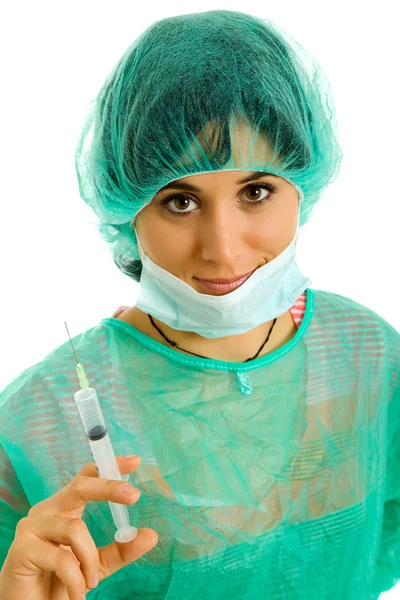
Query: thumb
(119,310)
(115,556)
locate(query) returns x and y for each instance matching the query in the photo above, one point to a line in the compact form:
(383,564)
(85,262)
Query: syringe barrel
(96,432)
(103,456)
(90,412)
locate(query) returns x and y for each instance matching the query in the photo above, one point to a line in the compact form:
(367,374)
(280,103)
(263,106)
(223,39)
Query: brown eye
(255,193)
(181,203)
(178,204)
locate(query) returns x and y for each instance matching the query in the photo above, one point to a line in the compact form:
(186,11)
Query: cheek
(166,247)
(152,234)
(275,232)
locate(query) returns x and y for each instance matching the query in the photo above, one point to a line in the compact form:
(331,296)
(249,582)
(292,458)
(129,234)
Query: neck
(235,348)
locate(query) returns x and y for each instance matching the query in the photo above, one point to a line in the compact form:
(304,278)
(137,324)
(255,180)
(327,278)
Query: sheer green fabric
(203,92)
(278,478)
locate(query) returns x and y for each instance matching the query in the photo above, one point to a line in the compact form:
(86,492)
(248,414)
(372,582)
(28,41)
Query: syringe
(101,447)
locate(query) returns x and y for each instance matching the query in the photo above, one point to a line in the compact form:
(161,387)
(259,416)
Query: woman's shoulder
(337,305)
(363,329)
(40,429)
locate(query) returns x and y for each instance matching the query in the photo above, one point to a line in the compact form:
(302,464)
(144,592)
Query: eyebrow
(188,186)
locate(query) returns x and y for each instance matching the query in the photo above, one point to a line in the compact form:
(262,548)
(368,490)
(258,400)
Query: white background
(55,57)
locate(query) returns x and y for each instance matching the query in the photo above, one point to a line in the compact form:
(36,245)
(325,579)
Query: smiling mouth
(222,286)
(224,280)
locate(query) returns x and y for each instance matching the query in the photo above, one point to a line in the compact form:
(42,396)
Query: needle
(73,349)
(83,380)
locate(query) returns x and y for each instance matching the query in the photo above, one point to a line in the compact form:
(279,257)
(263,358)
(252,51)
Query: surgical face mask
(268,293)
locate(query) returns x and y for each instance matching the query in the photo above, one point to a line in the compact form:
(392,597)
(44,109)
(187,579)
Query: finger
(85,488)
(127,464)
(115,556)
(120,310)
(41,555)
(117,312)
(73,533)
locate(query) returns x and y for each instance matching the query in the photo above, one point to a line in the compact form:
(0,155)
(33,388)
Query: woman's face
(220,228)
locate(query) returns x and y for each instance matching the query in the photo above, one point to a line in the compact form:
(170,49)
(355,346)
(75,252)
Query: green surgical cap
(197,93)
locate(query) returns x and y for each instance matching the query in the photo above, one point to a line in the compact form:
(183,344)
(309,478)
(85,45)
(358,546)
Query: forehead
(196,182)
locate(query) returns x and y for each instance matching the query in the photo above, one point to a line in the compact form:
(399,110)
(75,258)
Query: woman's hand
(119,310)
(53,556)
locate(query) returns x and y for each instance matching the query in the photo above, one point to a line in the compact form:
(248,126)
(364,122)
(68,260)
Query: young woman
(264,414)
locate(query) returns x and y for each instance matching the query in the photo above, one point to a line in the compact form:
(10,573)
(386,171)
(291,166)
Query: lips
(224,281)
(222,286)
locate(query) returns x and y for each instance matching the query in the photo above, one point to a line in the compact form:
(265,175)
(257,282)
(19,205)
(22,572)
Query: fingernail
(132,456)
(95,580)
(128,489)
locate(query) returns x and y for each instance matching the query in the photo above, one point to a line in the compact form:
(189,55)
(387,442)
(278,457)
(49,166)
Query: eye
(253,188)
(179,203)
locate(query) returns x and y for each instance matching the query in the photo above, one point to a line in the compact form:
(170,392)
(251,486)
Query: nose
(221,237)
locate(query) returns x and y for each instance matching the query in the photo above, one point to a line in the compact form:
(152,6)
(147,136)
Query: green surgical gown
(278,478)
